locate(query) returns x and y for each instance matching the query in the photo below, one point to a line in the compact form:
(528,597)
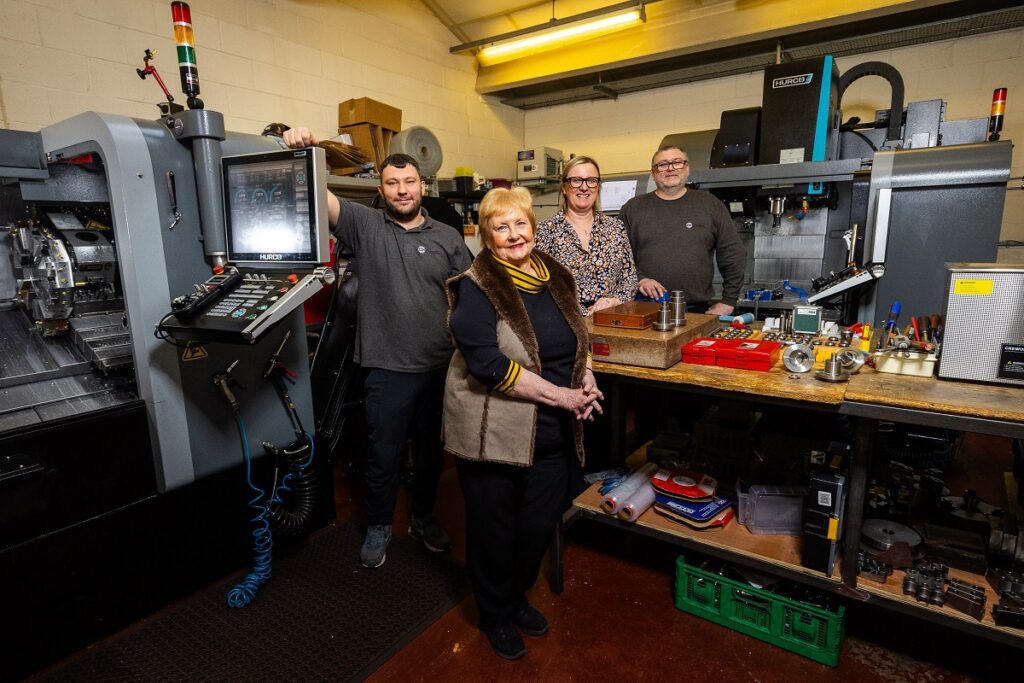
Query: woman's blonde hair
(563,203)
(500,201)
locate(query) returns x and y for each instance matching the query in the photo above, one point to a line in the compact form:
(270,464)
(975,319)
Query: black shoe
(530,621)
(428,531)
(506,641)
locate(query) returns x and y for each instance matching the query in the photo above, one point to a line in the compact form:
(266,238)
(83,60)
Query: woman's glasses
(576,181)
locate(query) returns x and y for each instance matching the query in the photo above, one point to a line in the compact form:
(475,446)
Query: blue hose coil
(262,539)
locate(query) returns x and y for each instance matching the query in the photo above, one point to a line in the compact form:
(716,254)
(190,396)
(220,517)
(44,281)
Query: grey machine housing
(921,190)
(161,182)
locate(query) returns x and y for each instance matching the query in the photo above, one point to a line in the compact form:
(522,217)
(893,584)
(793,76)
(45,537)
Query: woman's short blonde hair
(500,201)
(563,202)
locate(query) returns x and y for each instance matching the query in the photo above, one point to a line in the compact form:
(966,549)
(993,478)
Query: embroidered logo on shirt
(422,249)
(689,225)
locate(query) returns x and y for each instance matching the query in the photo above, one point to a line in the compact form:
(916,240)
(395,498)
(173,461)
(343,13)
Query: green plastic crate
(805,629)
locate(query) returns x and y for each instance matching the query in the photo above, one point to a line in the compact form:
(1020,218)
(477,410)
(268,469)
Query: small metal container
(678,302)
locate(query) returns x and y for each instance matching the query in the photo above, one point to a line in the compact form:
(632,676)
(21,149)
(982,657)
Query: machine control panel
(239,307)
(190,305)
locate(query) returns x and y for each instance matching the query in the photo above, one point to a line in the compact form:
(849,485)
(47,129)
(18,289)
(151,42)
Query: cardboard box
(632,315)
(647,348)
(373,140)
(365,110)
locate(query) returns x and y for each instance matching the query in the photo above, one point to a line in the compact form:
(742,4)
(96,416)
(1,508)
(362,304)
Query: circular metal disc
(798,358)
(882,534)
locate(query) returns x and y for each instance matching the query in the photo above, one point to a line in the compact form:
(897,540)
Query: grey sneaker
(428,531)
(375,546)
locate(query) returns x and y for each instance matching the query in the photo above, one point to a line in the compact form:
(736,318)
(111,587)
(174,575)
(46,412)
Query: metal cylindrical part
(678,302)
(206,159)
(664,322)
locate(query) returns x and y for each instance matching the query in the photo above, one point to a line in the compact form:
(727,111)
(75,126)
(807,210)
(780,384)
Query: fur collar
(495,282)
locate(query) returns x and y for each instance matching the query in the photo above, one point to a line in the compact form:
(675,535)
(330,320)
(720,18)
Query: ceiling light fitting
(557,33)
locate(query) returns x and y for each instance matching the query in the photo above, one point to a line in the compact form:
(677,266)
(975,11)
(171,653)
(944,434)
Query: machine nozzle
(776,207)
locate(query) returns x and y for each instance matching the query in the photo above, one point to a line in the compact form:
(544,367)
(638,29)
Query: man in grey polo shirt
(404,258)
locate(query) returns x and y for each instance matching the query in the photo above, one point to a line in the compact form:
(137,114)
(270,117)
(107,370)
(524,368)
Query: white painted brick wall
(259,61)
(294,60)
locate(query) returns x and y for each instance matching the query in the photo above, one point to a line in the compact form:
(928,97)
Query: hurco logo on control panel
(1013,348)
(271,257)
(790,81)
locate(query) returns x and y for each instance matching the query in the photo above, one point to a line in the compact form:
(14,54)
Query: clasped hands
(583,402)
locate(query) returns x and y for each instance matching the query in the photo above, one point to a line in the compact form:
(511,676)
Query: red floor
(616,621)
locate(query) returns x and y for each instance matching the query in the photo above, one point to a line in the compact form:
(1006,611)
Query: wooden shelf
(769,551)
(782,553)
(869,396)
(892,590)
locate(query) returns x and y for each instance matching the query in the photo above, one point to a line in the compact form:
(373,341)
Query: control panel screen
(272,209)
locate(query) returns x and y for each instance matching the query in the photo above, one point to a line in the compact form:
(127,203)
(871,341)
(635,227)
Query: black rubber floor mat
(322,617)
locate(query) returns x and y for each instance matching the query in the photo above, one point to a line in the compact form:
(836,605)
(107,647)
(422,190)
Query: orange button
(293,278)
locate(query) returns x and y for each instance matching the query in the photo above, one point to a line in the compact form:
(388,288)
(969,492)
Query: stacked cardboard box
(371,125)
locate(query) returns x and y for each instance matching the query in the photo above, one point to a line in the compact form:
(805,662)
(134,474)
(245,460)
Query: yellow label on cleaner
(973,287)
(833,528)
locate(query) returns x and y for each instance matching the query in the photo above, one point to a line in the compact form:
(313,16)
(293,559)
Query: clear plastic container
(773,509)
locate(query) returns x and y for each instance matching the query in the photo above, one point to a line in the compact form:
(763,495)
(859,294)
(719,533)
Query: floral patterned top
(607,269)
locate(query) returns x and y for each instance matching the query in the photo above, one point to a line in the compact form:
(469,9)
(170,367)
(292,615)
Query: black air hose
(290,518)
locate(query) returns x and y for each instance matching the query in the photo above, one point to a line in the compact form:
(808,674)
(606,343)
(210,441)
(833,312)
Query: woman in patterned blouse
(593,246)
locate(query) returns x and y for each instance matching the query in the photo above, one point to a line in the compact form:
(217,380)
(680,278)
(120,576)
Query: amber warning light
(995,120)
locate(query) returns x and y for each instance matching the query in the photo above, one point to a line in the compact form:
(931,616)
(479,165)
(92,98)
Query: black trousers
(511,514)
(400,405)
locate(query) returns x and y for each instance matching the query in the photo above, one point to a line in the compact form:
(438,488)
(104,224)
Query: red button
(217,270)
(293,278)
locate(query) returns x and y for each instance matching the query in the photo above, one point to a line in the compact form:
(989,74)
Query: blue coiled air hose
(262,538)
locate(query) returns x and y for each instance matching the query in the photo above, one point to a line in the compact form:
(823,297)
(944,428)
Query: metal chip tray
(104,339)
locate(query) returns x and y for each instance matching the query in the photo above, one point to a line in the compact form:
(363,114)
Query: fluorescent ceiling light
(556,33)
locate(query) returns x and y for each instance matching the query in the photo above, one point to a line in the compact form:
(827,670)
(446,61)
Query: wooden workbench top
(775,383)
(989,401)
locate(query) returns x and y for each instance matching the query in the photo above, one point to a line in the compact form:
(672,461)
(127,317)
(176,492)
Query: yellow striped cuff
(511,377)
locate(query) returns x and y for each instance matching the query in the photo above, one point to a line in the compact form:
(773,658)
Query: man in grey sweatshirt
(677,234)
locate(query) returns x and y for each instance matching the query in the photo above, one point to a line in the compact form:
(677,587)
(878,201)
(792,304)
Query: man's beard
(403,216)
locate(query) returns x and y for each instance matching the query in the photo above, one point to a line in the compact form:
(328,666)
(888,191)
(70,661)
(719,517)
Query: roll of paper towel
(419,143)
